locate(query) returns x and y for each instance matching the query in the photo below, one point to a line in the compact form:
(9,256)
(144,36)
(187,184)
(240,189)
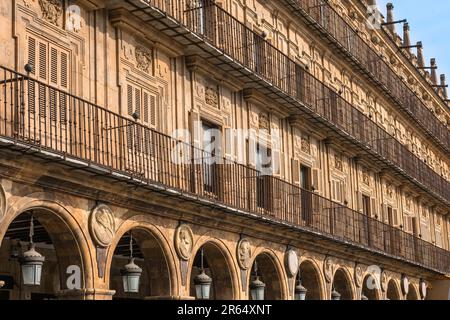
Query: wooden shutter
(373,207)
(276,161)
(384,209)
(296,171)
(153,111)
(316,180)
(130,110)
(359,198)
(32,84)
(42,61)
(395,217)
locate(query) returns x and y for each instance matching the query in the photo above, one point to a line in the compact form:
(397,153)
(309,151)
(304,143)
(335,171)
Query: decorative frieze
(144,59)
(52,10)
(212,97)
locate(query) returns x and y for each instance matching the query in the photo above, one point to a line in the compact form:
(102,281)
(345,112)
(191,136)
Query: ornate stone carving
(51,10)
(366,178)
(102,225)
(359,275)
(73,20)
(338,162)
(144,58)
(244,254)
(184,241)
(328,269)
(212,96)
(264,122)
(306,145)
(390,190)
(291,262)
(408,203)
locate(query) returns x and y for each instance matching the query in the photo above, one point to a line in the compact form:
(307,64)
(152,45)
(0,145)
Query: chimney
(406,39)
(433,71)
(420,57)
(372,2)
(390,18)
(444,89)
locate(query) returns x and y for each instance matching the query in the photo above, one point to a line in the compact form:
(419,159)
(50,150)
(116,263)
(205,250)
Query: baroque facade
(330,169)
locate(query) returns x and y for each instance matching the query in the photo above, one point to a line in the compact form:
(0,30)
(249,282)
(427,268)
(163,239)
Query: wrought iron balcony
(328,21)
(254,56)
(42,118)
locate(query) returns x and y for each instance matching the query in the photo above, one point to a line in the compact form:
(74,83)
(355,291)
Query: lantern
(131,273)
(300,291)
(335,295)
(202,283)
(31,262)
(257,287)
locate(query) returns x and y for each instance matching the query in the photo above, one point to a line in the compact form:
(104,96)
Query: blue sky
(430,23)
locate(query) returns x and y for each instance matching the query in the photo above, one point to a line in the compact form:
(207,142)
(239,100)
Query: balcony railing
(217,27)
(350,41)
(40,116)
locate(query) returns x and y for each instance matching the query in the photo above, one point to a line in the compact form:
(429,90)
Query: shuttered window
(50,64)
(337,190)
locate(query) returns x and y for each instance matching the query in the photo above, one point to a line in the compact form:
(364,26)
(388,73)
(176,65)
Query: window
(210,144)
(305,177)
(263,182)
(337,191)
(366,205)
(50,65)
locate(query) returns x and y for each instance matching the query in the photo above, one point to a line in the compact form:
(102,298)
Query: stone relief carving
(52,10)
(338,162)
(359,275)
(291,262)
(212,96)
(184,241)
(143,58)
(366,178)
(102,225)
(306,145)
(244,254)
(264,122)
(328,269)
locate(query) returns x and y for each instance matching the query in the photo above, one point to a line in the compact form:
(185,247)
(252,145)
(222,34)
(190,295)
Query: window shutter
(342,191)
(43,61)
(146,107)
(137,96)
(360,201)
(130,100)
(53,66)
(296,171)
(395,217)
(153,111)
(276,161)
(32,54)
(195,126)
(384,209)
(64,70)
(373,207)
(316,180)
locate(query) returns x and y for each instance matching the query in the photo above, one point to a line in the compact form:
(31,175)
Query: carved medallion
(405,285)
(359,275)
(244,254)
(212,96)
(184,241)
(338,162)
(328,269)
(423,289)
(51,10)
(291,262)
(102,225)
(143,58)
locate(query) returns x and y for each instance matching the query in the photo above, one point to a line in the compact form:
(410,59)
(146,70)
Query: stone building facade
(331,150)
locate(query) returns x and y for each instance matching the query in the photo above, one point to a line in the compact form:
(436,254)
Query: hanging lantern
(257,287)
(202,283)
(335,295)
(300,291)
(31,262)
(363,297)
(131,273)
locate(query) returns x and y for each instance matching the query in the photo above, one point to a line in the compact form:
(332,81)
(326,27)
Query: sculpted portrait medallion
(244,254)
(328,269)
(102,225)
(184,241)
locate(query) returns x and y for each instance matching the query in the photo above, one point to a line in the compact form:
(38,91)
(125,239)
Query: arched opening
(412,293)
(370,289)
(310,279)
(342,285)
(62,265)
(265,270)
(147,254)
(392,291)
(216,267)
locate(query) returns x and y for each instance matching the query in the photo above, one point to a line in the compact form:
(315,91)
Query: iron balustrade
(37,115)
(218,28)
(336,26)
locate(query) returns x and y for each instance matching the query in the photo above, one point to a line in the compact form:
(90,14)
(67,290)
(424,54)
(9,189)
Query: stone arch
(370,288)
(58,222)
(312,280)
(221,268)
(271,272)
(343,283)
(413,293)
(160,275)
(393,291)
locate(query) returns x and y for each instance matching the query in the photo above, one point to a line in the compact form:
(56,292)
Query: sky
(429,22)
